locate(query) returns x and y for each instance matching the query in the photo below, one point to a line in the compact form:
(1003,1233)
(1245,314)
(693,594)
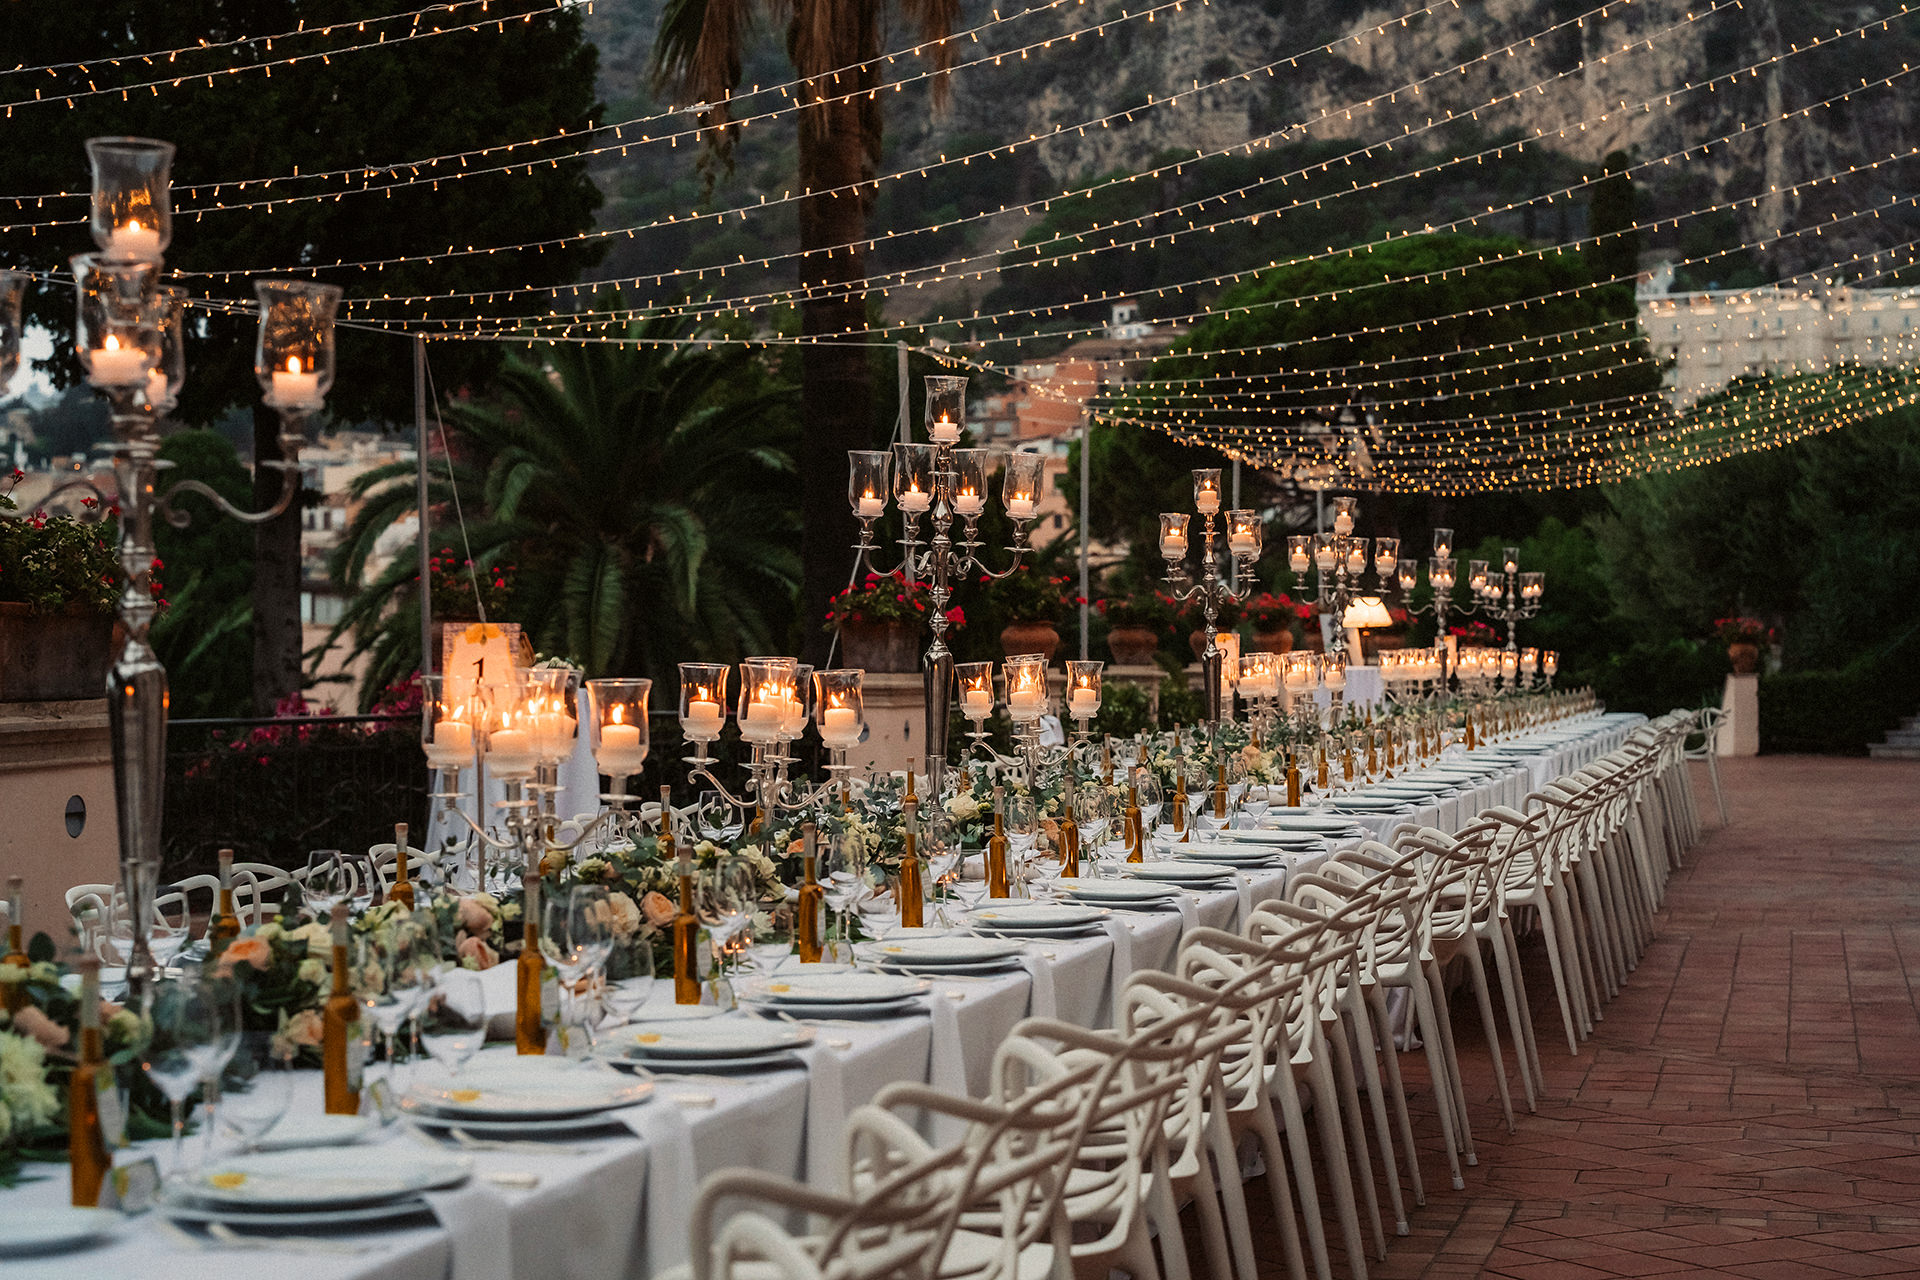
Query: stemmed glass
(185,1026)
(223,998)
(262,1090)
(943,865)
(165,939)
(1023,835)
(1093,814)
(770,943)
(397,964)
(723,897)
(454,1025)
(576,935)
(843,868)
(327,881)
(1151,799)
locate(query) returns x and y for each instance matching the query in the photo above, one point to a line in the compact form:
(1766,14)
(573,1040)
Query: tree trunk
(836,411)
(276,575)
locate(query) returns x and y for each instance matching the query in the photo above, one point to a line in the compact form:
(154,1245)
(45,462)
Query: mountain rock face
(1580,79)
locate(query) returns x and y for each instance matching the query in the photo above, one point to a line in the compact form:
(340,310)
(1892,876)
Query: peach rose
(658,908)
(474,917)
(247,951)
(28,1020)
(477,950)
(306,1027)
(623,917)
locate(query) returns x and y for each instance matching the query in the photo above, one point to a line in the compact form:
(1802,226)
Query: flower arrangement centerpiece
(643,890)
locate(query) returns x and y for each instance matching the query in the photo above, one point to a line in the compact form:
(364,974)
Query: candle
(293,389)
(1325,558)
(1020,508)
(156,387)
(1342,523)
(114,365)
(944,430)
(553,734)
(1083,704)
(1207,501)
(968,503)
(452,744)
(1297,561)
(1335,678)
(793,715)
(1296,678)
(762,720)
(1241,544)
(510,752)
(133,243)
(839,727)
(702,720)
(976,704)
(1023,704)
(915,500)
(1174,546)
(871,505)
(1356,561)
(620,754)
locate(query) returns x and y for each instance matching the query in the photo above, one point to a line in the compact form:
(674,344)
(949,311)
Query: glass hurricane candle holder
(512,750)
(1440,573)
(132,219)
(1296,671)
(169,373)
(617,726)
(1443,543)
(975,682)
(797,708)
(1510,558)
(1244,535)
(1344,510)
(1477,576)
(294,356)
(1529,662)
(13,292)
(1354,552)
(1083,690)
(552,711)
(1206,490)
(839,706)
(1407,575)
(1386,555)
(1326,552)
(913,478)
(117,334)
(946,407)
(1333,671)
(1300,552)
(970,481)
(766,696)
(447,719)
(1020,486)
(703,700)
(1026,676)
(1549,663)
(1173,535)
(1532,585)
(868,471)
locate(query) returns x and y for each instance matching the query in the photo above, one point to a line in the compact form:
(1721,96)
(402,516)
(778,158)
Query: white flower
(317,936)
(23,1081)
(313,971)
(963,808)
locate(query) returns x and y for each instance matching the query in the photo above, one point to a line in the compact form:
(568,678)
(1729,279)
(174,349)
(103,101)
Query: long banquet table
(618,1205)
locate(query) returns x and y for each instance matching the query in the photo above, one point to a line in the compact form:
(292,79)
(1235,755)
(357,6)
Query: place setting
(1034,919)
(712,1046)
(956,955)
(516,1096)
(1121,895)
(850,996)
(298,1190)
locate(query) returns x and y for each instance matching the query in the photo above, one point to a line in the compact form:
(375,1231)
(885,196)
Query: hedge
(1841,712)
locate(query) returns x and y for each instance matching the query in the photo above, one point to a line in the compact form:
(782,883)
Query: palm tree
(699,52)
(643,493)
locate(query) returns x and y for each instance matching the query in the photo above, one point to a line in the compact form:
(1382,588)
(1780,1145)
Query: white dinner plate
(1268,839)
(783,1060)
(315,1129)
(53,1229)
(534,1127)
(1304,822)
(1232,853)
(1008,964)
(1114,892)
(834,988)
(505,1087)
(896,1008)
(1358,804)
(736,1038)
(321,1179)
(1181,872)
(188,1210)
(675,1013)
(933,953)
(1036,915)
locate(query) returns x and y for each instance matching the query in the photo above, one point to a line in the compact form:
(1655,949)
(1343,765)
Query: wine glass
(576,936)
(223,998)
(454,1025)
(396,964)
(184,1026)
(327,881)
(1023,834)
(261,1088)
(1093,814)
(771,942)
(1152,797)
(842,870)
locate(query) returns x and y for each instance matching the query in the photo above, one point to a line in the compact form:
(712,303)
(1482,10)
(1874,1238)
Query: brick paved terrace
(1751,1104)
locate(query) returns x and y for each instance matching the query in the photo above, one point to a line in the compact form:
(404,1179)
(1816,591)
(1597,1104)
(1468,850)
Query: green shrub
(1841,712)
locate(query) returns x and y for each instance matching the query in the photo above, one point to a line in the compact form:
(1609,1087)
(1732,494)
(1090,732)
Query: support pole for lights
(420,498)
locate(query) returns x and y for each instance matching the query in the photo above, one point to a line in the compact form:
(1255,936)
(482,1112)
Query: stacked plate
(496,1094)
(937,957)
(839,995)
(324,1188)
(1331,825)
(1286,841)
(730,1044)
(1126,895)
(1187,874)
(1037,920)
(1241,855)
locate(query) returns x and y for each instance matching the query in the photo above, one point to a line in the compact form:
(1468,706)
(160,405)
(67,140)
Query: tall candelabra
(1506,595)
(940,481)
(1339,561)
(778,697)
(1441,567)
(129,339)
(1244,536)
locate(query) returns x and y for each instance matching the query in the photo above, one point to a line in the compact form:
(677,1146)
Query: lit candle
(510,752)
(293,389)
(1083,704)
(976,704)
(762,721)
(452,744)
(702,721)
(620,754)
(944,430)
(1296,677)
(793,714)
(1020,508)
(871,505)
(156,386)
(1357,560)
(1174,546)
(1383,564)
(133,242)
(1342,523)
(968,503)
(1206,500)
(915,500)
(1326,558)
(839,727)
(553,734)
(1298,561)
(1241,544)
(1335,678)
(1023,703)
(114,365)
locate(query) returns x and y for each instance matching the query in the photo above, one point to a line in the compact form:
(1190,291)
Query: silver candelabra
(1244,537)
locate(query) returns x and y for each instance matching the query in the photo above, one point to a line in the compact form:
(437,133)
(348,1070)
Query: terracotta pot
(1133,646)
(880,646)
(1030,637)
(1745,658)
(1273,641)
(54,657)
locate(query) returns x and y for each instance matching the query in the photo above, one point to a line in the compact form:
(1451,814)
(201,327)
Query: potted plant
(1135,624)
(1743,638)
(1193,620)
(1035,603)
(1273,618)
(59,580)
(880,619)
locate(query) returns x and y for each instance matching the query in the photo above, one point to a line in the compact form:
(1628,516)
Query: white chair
(1707,725)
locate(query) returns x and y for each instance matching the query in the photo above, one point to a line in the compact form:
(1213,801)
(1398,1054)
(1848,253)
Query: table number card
(473,654)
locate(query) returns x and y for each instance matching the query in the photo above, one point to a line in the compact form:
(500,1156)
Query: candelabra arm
(88,515)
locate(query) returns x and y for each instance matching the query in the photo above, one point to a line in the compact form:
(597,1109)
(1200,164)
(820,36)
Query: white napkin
(1044,1001)
(671,1178)
(479,1227)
